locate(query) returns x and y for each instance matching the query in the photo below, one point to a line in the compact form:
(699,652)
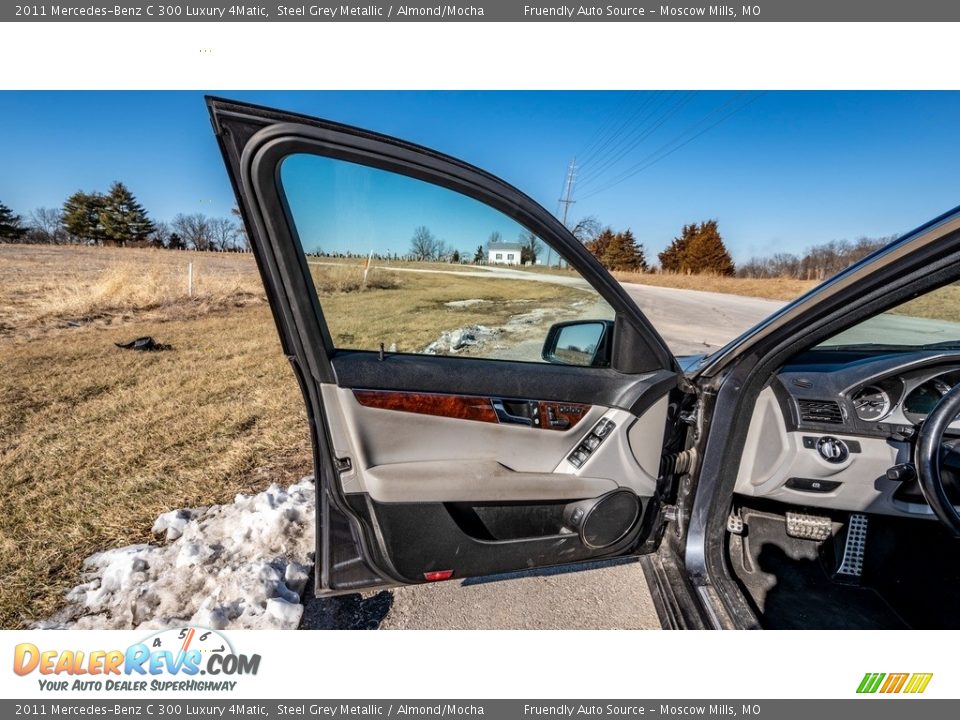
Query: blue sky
(785,171)
(339,206)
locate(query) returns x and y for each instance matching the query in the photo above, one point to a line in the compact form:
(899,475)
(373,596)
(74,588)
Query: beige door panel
(475,481)
(434,458)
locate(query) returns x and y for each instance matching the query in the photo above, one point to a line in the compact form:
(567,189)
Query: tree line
(117,218)
(816,263)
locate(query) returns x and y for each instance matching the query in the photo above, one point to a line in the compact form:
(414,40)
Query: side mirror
(585,343)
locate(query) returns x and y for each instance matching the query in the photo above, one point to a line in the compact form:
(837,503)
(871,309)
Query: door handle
(506,417)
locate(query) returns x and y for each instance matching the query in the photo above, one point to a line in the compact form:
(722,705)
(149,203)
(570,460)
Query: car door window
(411,267)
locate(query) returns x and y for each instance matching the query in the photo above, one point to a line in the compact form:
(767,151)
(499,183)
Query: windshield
(931,321)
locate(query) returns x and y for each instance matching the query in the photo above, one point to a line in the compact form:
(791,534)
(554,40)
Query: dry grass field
(769,288)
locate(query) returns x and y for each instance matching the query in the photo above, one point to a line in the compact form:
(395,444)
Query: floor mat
(916,565)
(790,589)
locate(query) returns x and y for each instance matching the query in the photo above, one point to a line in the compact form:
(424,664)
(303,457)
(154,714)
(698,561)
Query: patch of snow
(450,341)
(175,521)
(239,565)
(460,304)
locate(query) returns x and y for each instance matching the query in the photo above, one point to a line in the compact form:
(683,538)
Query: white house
(504,253)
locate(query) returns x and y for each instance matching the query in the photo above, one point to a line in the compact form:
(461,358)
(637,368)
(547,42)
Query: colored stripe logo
(887,683)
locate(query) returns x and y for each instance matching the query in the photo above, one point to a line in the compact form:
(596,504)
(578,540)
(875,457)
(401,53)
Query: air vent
(820,411)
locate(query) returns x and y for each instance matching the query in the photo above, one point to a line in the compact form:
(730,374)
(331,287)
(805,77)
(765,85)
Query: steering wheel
(931,456)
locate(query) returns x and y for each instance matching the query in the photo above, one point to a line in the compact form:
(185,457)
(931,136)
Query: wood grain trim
(460,407)
(549,416)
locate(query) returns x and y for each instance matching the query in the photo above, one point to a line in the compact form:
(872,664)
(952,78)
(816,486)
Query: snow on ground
(450,341)
(241,565)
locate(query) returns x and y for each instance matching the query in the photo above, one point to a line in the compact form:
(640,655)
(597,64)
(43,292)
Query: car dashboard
(828,427)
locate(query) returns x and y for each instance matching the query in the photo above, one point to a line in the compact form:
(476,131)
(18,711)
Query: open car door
(467,419)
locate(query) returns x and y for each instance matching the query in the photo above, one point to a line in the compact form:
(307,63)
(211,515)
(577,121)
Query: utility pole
(567,200)
(568,191)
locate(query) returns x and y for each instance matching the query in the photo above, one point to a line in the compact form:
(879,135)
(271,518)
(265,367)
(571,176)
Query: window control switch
(603,428)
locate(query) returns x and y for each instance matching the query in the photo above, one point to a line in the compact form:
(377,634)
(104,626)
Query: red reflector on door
(438,575)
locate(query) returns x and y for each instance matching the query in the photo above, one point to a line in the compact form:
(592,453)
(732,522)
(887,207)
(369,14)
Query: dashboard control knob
(832,449)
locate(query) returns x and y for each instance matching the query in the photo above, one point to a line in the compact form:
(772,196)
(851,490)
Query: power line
(625,149)
(604,130)
(665,150)
(617,130)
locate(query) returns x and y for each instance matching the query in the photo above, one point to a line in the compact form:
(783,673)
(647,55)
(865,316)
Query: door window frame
(260,163)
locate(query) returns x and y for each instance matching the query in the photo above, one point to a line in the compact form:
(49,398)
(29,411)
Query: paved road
(694,322)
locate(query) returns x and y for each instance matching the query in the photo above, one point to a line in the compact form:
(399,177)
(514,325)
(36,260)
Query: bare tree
(587,229)
(442,252)
(244,238)
(818,262)
(423,244)
(46,226)
(224,234)
(160,237)
(195,230)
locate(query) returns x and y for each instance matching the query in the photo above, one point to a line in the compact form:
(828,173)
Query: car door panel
(377,437)
(453,465)
(380,441)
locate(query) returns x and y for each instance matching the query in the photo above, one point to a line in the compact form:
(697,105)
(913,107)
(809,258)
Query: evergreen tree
(479,256)
(124,220)
(175,242)
(707,254)
(598,245)
(455,257)
(623,253)
(82,217)
(673,259)
(11,225)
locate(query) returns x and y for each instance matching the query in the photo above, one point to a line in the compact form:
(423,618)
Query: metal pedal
(851,566)
(808,527)
(735,523)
